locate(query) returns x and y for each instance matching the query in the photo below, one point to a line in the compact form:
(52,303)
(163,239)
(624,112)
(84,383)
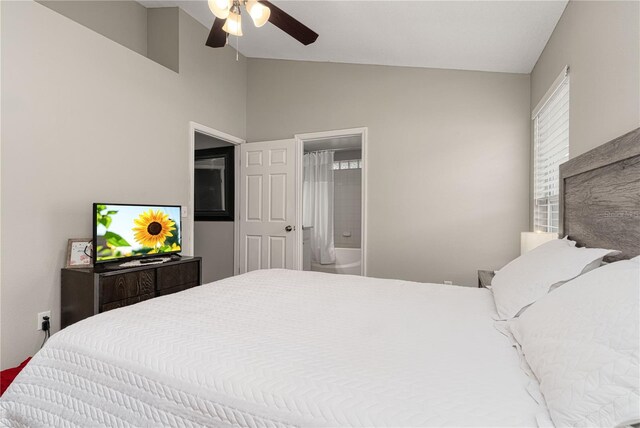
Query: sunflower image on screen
(153,228)
(133,230)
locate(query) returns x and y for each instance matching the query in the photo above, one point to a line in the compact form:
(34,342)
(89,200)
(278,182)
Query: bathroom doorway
(332,170)
(212,216)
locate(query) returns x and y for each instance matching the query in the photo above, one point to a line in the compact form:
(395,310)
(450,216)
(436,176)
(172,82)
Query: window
(349,164)
(551,148)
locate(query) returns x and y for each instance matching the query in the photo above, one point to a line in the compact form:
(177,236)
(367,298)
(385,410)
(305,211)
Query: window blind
(551,148)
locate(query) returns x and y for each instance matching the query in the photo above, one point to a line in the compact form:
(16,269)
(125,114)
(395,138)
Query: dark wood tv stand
(86,292)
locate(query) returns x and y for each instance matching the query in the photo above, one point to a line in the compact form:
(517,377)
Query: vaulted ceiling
(503,36)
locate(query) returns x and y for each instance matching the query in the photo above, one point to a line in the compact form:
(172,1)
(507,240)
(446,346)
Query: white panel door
(267,205)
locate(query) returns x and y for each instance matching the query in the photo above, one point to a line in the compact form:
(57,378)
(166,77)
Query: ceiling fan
(229,21)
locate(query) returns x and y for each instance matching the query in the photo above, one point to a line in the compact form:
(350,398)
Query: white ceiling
(505,36)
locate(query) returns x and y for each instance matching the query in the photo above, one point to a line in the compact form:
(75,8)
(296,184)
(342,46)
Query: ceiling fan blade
(217,37)
(290,25)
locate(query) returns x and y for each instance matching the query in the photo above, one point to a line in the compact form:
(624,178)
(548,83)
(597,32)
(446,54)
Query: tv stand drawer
(89,291)
(180,274)
(177,288)
(127,285)
(126,302)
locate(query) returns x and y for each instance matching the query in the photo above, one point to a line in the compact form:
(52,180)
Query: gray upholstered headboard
(600,196)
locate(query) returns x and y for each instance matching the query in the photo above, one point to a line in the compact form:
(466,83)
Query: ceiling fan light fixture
(233,25)
(220,8)
(259,13)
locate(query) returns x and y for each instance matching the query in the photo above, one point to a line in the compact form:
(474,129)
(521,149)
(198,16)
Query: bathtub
(348,261)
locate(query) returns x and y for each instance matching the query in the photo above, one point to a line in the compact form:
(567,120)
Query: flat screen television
(122,232)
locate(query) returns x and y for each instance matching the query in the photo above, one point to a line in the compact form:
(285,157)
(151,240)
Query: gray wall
(347,202)
(448,156)
(151,32)
(61,83)
(122,21)
(213,240)
(600,41)
(163,36)
(448,150)
(214,243)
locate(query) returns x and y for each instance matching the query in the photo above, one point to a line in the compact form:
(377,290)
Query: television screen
(126,231)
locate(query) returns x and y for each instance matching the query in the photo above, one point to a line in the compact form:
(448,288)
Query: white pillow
(531,276)
(581,342)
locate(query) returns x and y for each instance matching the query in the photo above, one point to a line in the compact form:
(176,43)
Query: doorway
(211,218)
(331,202)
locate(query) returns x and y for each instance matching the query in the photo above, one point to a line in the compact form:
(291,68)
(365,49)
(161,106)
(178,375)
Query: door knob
(288,228)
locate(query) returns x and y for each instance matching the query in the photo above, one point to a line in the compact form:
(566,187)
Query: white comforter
(281,348)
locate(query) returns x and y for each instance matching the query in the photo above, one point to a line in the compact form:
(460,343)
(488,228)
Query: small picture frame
(79,253)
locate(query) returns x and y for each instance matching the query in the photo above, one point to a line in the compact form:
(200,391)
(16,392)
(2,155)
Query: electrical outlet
(448,283)
(41,316)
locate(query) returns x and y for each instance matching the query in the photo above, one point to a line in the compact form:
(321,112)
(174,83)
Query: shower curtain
(317,199)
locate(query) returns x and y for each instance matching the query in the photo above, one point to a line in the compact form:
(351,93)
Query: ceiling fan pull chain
(237,46)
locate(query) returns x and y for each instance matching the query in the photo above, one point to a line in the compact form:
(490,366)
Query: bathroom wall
(347,202)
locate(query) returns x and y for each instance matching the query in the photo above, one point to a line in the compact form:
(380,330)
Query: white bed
(282,348)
